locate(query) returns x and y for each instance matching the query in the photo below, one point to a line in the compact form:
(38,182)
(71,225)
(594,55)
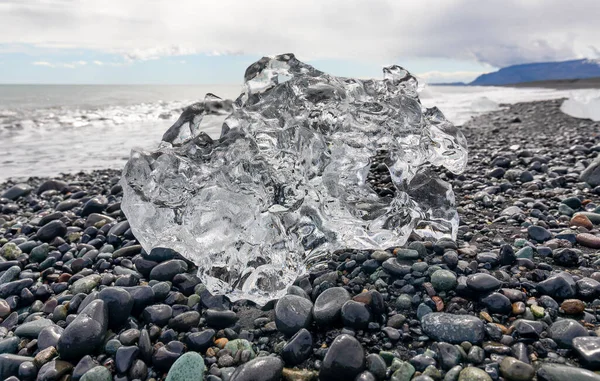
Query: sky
(212,42)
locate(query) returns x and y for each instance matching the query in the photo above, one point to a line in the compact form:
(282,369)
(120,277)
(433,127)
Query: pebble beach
(514,298)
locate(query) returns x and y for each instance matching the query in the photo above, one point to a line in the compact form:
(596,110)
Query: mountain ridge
(540,71)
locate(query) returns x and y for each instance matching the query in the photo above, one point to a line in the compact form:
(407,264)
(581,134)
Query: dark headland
(515,297)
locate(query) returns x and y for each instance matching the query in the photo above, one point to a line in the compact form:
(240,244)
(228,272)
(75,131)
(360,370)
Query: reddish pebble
(581,220)
(573,306)
(588,240)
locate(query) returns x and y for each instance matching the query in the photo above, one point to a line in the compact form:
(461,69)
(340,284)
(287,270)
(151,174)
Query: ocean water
(50,129)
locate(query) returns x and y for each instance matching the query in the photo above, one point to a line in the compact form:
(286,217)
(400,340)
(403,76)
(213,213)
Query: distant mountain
(544,71)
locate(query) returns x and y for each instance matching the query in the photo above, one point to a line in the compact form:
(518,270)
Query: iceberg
(584,105)
(307,163)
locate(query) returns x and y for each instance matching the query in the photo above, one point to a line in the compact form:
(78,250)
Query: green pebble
(520,242)
(404,302)
(189,367)
(404,372)
(443,280)
(473,374)
(572,202)
(526,252)
(388,357)
(193,300)
(85,284)
(236,345)
(537,311)
(39,253)
(565,210)
(10,251)
(407,254)
(98,373)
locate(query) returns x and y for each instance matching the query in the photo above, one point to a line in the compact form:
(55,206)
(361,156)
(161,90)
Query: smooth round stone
(161,254)
(588,288)
(483,283)
(185,321)
(539,233)
(292,313)
(138,371)
(473,374)
(572,306)
(10,251)
(119,303)
(51,230)
(497,303)
(56,185)
(220,319)
(344,360)
(556,372)
(355,315)
(393,267)
(9,345)
(443,280)
(365,376)
(49,336)
(54,370)
(33,328)
(166,356)
(588,240)
(200,341)
(124,358)
(406,254)
(564,331)
(455,329)
(403,370)
(142,297)
(86,284)
(189,367)
(166,271)
(328,306)
(8,276)
(97,373)
(17,191)
(234,346)
(112,346)
(161,290)
(158,314)
(265,368)
(588,349)
(86,332)
(515,370)
(28,371)
(449,355)
(376,365)
(560,286)
(86,363)
(129,336)
(298,348)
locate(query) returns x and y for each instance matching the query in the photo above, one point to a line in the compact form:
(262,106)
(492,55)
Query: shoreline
(505,299)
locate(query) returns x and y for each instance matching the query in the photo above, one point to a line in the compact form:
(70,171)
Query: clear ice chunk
(307,163)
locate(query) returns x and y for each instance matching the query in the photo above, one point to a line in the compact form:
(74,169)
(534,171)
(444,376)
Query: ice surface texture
(287,182)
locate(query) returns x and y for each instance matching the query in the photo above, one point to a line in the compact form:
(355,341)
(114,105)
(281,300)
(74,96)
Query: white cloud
(99,63)
(42,63)
(448,76)
(497,32)
(65,65)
